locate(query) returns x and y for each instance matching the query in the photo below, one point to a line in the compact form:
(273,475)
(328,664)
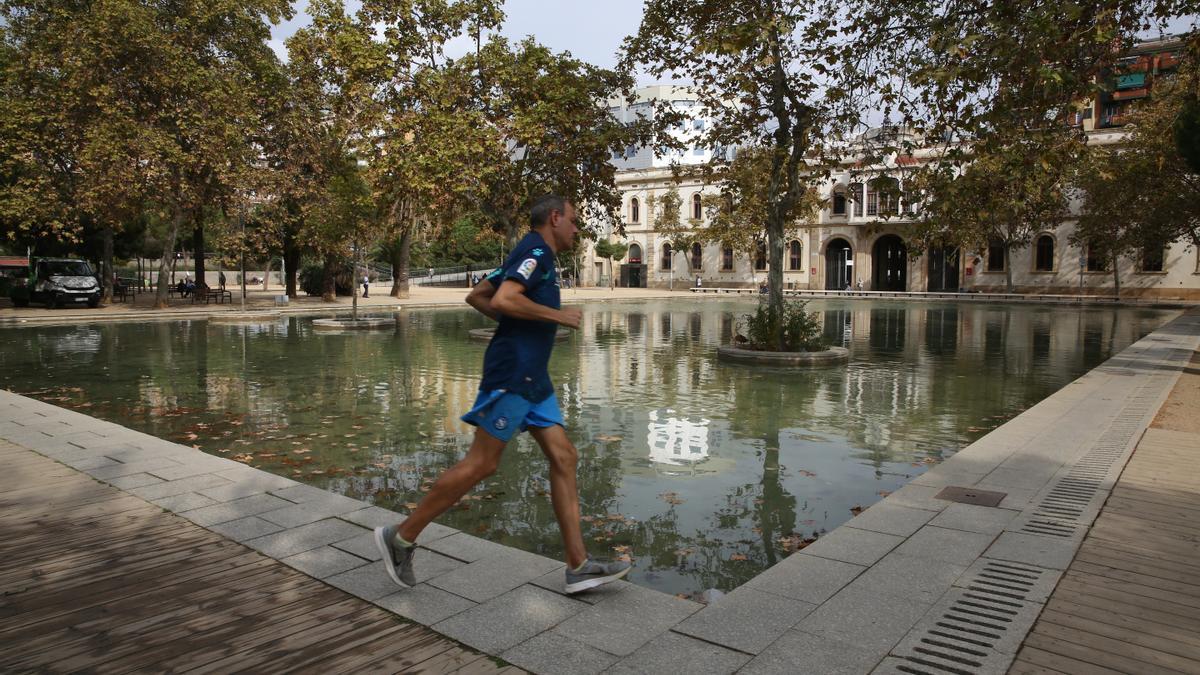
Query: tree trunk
(1116,263)
(328,283)
(168,258)
(775,273)
(400,259)
(291,261)
(106,266)
(198,248)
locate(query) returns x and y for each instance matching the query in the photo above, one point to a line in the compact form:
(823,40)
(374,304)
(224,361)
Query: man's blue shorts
(503,415)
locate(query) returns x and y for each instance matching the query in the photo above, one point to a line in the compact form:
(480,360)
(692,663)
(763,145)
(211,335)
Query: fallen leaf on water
(244,458)
(410,505)
(884,493)
(803,472)
(606,438)
(316,472)
(738,556)
(856,510)
(586,519)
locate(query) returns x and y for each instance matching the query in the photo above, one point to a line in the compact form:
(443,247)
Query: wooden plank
(1184,593)
(1125,603)
(1189,655)
(1115,652)
(1042,661)
(400,653)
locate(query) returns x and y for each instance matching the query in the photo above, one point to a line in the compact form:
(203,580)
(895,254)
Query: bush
(801,330)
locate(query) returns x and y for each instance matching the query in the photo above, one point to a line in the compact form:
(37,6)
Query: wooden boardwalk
(94,579)
(1130,601)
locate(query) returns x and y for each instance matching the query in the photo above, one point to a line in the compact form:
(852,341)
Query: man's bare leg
(481,461)
(564,494)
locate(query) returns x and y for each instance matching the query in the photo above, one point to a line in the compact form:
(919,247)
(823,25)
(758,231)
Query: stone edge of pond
(866,593)
(828,357)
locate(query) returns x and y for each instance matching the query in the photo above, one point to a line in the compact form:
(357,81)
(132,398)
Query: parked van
(57,282)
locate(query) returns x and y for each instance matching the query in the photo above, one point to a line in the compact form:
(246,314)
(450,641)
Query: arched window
(697,256)
(839,203)
(794,250)
(634,210)
(666,257)
(635,254)
(697,207)
(727,258)
(1044,258)
(760,257)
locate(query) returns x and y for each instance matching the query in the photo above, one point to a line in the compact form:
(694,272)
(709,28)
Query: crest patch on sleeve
(527,267)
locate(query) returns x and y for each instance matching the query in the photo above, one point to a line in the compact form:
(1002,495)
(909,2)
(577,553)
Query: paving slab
(244,529)
(232,510)
(295,515)
(1033,549)
(425,604)
(465,547)
(324,561)
(550,653)
(875,621)
(799,652)
(495,575)
(300,493)
(746,619)
(504,622)
(376,516)
(183,502)
(921,580)
(952,546)
(974,518)
(191,467)
(852,545)
(176,487)
(891,519)
(368,581)
(807,578)
(112,471)
(624,621)
(290,542)
(133,480)
(675,653)
(918,497)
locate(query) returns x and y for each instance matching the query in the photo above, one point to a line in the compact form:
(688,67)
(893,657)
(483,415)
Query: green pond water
(705,473)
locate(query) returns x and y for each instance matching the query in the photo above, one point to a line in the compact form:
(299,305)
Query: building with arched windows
(860,236)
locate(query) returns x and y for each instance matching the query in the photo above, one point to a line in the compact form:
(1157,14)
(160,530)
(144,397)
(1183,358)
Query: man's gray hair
(539,213)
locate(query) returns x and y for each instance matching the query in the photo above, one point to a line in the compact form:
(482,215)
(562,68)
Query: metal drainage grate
(1061,511)
(965,495)
(975,629)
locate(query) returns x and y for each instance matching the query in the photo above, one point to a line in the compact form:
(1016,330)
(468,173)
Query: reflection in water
(708,472)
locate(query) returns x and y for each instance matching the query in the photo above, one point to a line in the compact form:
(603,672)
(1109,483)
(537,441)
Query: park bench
(206,294)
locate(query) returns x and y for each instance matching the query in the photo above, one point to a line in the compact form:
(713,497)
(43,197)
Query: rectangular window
(1152,259)
(1096,261)
(698,152)
(727,258)
(698,125)
(995,257)
(872,203)
(839,204)
(856,195)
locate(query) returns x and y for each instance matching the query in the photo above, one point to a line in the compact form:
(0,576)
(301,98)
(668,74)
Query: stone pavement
(142,308)
(904,587)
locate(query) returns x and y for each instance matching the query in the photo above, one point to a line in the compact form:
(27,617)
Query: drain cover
(964,495)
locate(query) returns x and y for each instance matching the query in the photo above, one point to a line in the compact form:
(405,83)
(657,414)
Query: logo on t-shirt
(527,267)
(501,423)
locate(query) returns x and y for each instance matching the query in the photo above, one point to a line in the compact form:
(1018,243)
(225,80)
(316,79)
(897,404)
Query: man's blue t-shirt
(518,356)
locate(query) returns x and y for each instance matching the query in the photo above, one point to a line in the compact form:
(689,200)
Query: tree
(549,130)
(1006,194)
(760,71)
(1143,193)
(611,251)
(666,211)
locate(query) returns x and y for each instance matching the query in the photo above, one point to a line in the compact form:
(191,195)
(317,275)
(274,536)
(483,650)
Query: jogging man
(515,394)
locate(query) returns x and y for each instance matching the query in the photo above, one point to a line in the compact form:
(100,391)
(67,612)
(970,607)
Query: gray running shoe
(397,559)
(594,574)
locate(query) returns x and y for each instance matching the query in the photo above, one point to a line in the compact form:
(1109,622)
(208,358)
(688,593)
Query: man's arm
(510,300)
(480,298)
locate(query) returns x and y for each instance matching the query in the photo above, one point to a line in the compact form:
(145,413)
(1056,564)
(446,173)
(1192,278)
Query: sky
(591,31)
